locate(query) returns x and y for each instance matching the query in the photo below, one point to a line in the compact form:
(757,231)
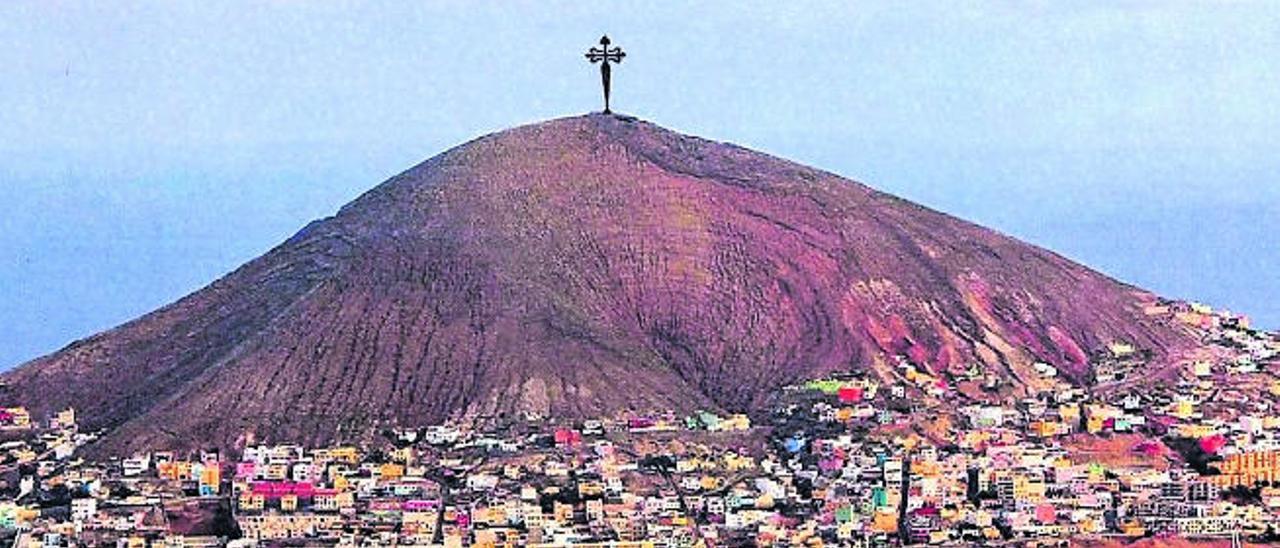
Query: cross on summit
(605,55)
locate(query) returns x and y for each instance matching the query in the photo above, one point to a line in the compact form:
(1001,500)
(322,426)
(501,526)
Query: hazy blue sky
(148,148)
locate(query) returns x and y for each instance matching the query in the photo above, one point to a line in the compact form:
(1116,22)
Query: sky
(147,148)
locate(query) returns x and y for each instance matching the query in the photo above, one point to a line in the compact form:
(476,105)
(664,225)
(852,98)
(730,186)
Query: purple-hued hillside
(581,267)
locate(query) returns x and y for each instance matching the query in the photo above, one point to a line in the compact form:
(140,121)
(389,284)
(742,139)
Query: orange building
(1248,469)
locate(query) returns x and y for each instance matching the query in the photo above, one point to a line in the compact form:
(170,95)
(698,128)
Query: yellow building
(391,471)
(764,501)
(563,513)
(349,455)
(1028,489)
(737,421)
(735,462)
(66,417)
(182,470)
(421,523)
(884,521)
(1094,424)
(211,476)
(1046,429)
(24,515)
(18,416)
(1196,430)
(926,469)
(587,489)
(1090,526)
(1183,408)
(496,514)
(345,500)
(251,502)
(167,470)
(1069,413)
(685,466)
(1133,529)
(275,472)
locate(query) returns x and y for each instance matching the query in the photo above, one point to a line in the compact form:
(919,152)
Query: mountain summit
(582,267)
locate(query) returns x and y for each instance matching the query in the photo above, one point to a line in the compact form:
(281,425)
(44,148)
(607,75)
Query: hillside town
(896,455)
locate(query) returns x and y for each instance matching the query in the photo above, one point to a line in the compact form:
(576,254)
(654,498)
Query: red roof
(848,394)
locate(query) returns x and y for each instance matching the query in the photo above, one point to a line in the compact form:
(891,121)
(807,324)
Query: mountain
(581,267)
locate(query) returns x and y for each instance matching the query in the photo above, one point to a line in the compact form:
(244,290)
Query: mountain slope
(581,267)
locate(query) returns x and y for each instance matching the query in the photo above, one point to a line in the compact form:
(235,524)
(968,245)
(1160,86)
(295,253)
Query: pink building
(277,489)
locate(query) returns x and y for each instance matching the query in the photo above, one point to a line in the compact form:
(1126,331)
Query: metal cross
(605,55)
